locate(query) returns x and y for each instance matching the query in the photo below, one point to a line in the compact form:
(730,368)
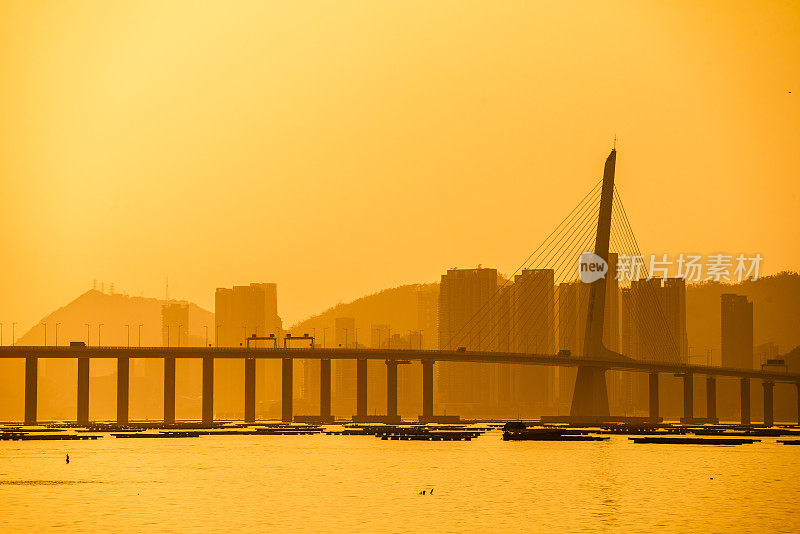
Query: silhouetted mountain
(776,312)
(396,307)
(114,312)
(793,359)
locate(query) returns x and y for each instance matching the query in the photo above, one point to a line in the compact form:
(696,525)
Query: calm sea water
(325,483)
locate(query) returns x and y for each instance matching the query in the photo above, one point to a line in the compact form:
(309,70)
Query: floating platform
(21,436)
(693,441)
(156,435)
(550,434)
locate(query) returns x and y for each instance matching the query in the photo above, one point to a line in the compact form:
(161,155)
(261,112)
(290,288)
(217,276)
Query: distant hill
(396,307)
(776,312)
(114,312)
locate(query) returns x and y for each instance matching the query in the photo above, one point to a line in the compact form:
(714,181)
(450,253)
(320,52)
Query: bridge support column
(797,388)
(325,389)
(123,389)
(169,390)
(361,388)
(427,390)
(744,385)
(711,399)
(286,389)
(208,390)
(769,417)
(83,391)
(654,396)
(31,388)
(249,390)
(688,398)
(391,389)
(590,396)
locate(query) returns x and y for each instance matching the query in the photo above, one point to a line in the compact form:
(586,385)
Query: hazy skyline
(339,149)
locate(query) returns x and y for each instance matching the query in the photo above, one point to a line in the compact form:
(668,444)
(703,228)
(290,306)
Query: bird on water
(67,457)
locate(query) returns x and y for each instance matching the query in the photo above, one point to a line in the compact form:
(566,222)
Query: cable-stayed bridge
(527,322)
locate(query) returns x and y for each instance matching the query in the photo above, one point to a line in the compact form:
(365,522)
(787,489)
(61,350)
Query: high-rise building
(737,331)
(240,312)
(532,331)
(471,318)
(653,327)
(654,320)
(246,310)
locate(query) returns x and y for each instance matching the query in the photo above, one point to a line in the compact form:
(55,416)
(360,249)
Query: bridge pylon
(590,396)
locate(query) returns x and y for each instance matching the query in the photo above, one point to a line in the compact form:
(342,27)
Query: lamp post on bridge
(179,334)
(205,326)
(57,333)
(99,326)
(128,329)
(140,335)
(13,338)
(216,334)
(87,334)
(45,334)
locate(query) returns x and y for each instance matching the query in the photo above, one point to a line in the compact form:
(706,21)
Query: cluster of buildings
(534,314)
(476,309)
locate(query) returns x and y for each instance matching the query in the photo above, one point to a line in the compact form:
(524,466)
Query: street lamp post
(129,334)
(57,333)
(98,333)
(87,334)
(13,338)
(140,335)
(206,328)
(179,334)
(216,335)
(356,341)
(45,334)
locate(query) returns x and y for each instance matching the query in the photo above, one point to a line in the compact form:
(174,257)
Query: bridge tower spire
(590,396)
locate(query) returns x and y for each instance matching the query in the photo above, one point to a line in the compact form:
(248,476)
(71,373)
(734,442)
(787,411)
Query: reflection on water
(360,483)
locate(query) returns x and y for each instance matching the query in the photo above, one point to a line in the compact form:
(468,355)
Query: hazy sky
(338,148)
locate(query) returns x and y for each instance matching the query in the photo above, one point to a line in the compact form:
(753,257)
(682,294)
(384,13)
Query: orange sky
(338,148)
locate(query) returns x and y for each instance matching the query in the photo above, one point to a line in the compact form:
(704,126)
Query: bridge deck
(387,354)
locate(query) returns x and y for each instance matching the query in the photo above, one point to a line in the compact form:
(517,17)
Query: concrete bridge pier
(325,390)
(427,390)
(391,389)
(169,390)
(769,417)
(286,389)
(83,391)
(654,396)
(123,389)
(688,398)
(208,390)
(361,388)
(797,388)
(744,385)
(31,388)
(711,399)
(249,390)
